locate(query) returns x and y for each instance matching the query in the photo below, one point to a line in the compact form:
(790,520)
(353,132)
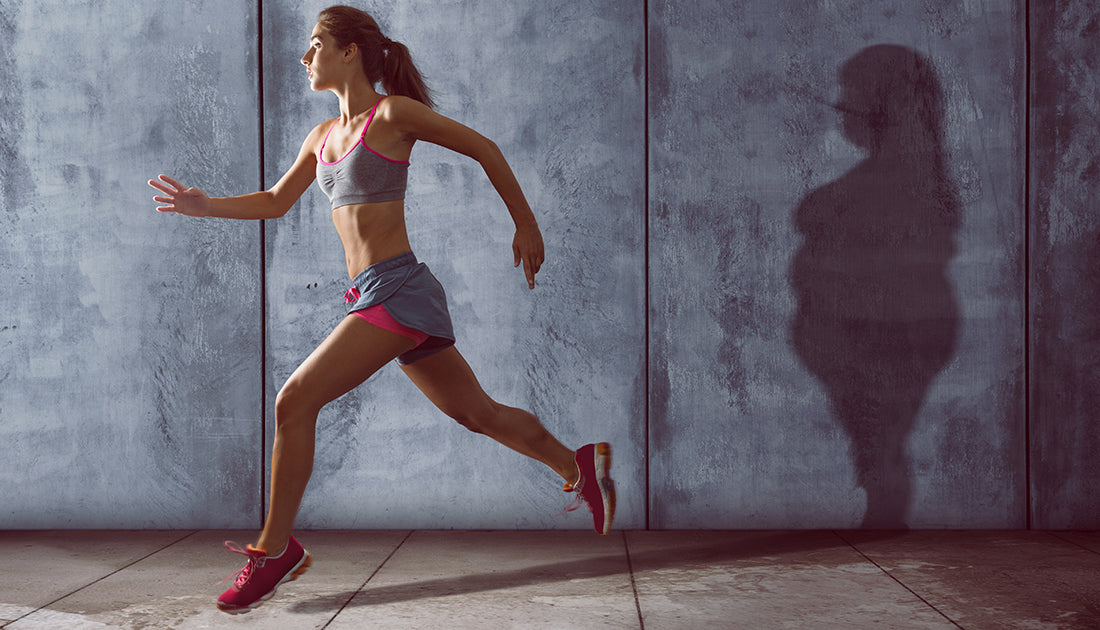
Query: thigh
(447,380)
(348,356)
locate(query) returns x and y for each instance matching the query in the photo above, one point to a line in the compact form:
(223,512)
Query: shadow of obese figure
(876,317)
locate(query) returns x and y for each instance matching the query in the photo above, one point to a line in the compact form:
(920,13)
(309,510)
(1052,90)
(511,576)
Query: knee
(479,419)
(293,407)
(470,423)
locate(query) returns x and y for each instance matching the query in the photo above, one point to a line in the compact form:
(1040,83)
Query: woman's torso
(370,231)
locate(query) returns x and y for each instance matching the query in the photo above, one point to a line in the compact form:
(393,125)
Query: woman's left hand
(528,248)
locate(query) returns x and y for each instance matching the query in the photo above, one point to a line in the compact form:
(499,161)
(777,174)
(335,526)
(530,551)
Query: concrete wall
(129,386)
(836,264)
(833,253)
(1065,327)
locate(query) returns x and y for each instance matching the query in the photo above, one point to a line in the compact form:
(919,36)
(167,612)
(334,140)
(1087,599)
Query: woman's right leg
(447,380)
(352,352)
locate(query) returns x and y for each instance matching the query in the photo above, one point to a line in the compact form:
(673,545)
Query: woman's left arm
(419,122)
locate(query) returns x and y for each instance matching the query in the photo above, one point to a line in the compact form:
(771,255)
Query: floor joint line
(633,584)
(896,580)
(1073,542)
(369,578)
(101,578)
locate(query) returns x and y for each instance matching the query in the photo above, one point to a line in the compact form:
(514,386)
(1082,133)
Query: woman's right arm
(268,204)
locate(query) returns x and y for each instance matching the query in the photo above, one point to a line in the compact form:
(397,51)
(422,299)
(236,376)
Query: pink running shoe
(595,486)
(257,581)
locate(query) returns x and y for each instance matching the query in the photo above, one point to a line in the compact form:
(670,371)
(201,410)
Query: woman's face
(323,60)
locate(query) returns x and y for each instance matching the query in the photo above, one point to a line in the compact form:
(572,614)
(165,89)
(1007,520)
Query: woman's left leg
(348,356)
(447,380)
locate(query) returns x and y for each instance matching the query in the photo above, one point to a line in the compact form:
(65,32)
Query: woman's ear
(350,52)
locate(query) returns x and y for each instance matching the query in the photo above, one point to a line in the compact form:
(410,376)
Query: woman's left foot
(595,486)
(257,581)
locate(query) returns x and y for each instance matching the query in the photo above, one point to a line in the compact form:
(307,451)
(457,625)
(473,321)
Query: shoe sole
(607,486)
(303,566)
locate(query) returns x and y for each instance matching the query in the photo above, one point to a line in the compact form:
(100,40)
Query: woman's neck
(356,98)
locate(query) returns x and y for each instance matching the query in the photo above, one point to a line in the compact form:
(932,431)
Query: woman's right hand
(181,199)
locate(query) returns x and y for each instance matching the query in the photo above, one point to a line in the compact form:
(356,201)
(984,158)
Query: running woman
(396,307)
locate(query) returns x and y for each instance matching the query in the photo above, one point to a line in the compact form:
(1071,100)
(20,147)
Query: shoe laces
(579,500)
(256,560)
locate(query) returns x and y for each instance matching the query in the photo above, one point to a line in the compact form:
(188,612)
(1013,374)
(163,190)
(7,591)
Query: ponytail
(400,76)
(384,60)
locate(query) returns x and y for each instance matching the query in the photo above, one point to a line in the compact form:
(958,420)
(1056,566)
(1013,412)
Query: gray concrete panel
(559,87)
(951,570)
(140,596)
(559,580)
(90,555)
(129,390)
(836,264)
(1065,328)
(712,579)
(749,579)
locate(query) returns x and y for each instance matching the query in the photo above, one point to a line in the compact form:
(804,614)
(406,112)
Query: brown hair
(383,59)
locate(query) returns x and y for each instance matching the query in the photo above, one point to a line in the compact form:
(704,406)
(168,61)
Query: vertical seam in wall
(1027,261)
(645,105)
(263,265)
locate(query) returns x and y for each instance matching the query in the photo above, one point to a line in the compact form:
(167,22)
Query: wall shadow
(876,318)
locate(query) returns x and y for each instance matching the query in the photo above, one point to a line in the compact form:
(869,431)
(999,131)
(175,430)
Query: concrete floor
(76,580)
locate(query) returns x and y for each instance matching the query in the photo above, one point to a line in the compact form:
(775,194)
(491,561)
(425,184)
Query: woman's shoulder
(390,101)
(396,106)
(317,135)
(322,127)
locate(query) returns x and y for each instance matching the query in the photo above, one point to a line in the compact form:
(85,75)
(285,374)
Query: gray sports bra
(361,176)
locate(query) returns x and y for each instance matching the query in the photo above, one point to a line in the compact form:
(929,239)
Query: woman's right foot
(595,487)
(257,581)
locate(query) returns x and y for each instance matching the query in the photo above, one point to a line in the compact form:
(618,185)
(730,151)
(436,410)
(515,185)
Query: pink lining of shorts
(379,316)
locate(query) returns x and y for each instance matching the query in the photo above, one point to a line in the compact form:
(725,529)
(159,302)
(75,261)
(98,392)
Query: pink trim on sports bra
(370,118)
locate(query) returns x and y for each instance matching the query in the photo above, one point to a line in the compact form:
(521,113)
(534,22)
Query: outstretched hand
(528,249)
(180,199)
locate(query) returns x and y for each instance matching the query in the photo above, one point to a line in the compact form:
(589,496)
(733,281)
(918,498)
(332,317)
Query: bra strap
(371,117)
(325,141)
